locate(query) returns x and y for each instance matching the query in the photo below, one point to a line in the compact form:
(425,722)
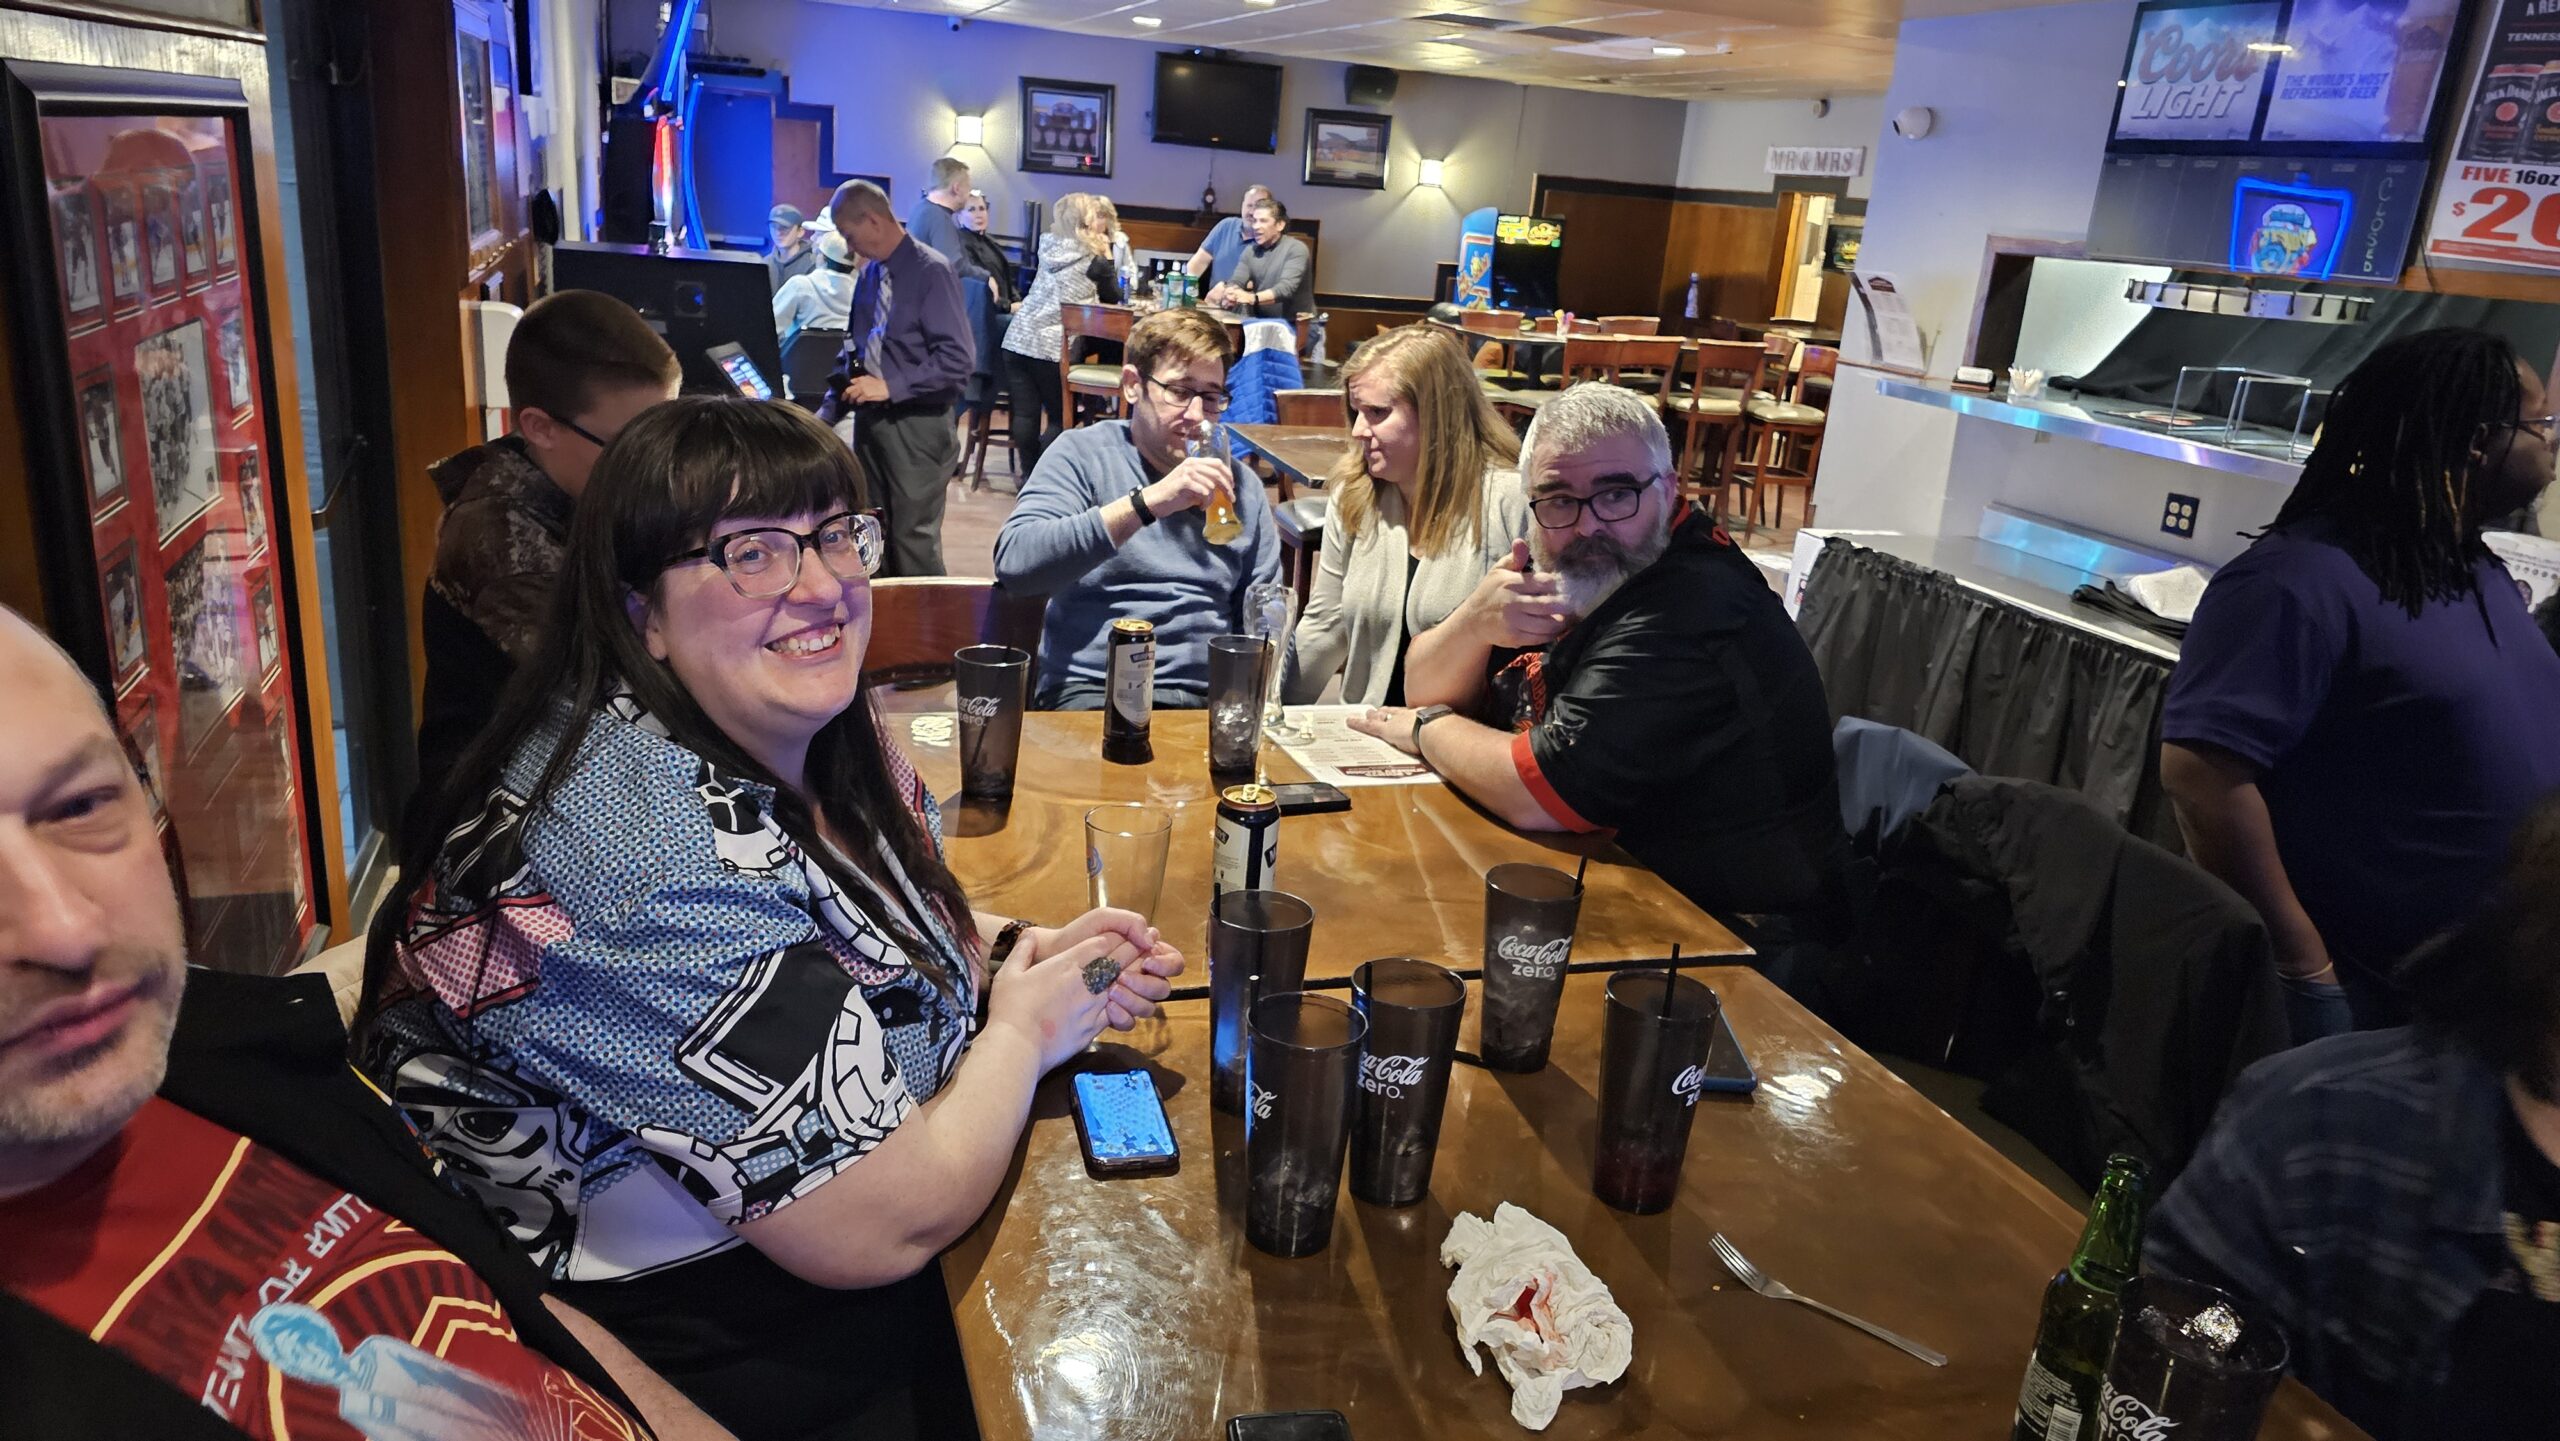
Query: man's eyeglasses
(1211,402)
(2543,426)
(579,431)
(1613,498)
(765,562)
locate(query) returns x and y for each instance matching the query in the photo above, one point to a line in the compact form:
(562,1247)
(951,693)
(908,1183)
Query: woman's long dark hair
(657,490)
(2407,435)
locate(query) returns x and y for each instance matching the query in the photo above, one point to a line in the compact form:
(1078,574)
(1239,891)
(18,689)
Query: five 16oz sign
(2500,198)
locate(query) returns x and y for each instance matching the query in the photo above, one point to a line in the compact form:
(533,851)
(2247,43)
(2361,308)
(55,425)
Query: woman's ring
(1100,973)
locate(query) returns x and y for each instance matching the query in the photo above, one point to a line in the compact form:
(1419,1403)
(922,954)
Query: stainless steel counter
(2103,422)
(2029,582)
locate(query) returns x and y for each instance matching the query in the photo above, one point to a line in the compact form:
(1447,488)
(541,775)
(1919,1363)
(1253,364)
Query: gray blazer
(1360,613)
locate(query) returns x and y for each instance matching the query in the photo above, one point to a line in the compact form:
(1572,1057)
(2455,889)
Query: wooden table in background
(1135,1310)
(1399,874)
(1306,453)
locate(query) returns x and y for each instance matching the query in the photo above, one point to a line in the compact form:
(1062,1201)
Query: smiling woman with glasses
(680,965)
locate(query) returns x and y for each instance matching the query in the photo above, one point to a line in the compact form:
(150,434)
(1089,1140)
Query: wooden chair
(1301,525)
(1723,374)
(1502,326)
(1308,407)
(1078,374)
(1648,365)
(984,433)
(1586,357)
(1785,436)
(1630,325)
(918,621)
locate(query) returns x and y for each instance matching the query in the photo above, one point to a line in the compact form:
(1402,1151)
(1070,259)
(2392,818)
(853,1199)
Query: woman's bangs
(749,463)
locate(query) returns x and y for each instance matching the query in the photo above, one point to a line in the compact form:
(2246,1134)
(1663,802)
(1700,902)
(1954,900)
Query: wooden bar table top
(1399,874)
(1135,1310)
(1306,452)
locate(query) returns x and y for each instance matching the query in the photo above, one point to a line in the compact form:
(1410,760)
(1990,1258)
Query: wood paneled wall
(1737,252)
(1610,247)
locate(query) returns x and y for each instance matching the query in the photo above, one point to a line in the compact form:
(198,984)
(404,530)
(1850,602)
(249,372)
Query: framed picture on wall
(1066,128)
(139,336)
(1347,148)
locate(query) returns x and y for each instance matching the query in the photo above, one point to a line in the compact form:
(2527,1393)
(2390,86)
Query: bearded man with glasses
(1628,669)
(1112,524)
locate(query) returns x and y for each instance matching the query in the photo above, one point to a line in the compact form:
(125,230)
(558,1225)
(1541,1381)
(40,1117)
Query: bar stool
(1786,435)
(1630,325)
(1724,374)
(1648,365)
(1081,376)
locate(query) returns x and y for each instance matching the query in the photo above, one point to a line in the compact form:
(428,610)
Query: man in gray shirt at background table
(1275,280)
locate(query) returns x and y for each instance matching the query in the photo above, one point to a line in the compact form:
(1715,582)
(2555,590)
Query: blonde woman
(1425,502)
(1075,269)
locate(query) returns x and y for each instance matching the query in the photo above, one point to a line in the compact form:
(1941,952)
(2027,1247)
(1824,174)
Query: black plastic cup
(1257,947)
(1413,1009)
(1236,674)
(1653,1063)
(1529,914)
(2173,1375)
(991,681)
(1299,1076)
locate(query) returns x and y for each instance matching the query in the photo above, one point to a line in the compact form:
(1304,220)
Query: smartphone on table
(1121,1124)
(1289,1426)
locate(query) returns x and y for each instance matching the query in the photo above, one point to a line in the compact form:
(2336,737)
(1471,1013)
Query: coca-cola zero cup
(990,681)
(2190,1362)
(1298,1085)
(1653,1060)
(1257,947)
(1413,1009)
(1529,914)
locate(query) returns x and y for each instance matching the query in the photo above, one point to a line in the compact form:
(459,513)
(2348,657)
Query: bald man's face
(92,948)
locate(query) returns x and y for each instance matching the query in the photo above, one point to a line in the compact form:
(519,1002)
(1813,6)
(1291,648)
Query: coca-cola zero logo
(1687,1085)
(1388,1075)
(1539,959)
(2128,1417)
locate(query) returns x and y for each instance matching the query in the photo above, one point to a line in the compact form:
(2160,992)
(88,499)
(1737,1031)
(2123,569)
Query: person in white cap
(820,298)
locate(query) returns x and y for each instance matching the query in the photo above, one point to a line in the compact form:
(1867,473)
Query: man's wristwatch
(1138,503)
(1424,717)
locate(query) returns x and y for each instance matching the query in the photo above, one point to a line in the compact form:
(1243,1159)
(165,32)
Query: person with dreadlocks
(2362,710)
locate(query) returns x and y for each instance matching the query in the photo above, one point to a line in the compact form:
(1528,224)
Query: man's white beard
(1589,569)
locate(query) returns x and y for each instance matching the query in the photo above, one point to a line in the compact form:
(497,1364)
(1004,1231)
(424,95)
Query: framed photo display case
(1066,128)
(137,298)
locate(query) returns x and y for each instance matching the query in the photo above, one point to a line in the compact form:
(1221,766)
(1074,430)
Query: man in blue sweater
(1111,524)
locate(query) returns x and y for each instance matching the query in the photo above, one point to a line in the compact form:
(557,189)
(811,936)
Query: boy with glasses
(1628,669)
(580,365)
(1112,526)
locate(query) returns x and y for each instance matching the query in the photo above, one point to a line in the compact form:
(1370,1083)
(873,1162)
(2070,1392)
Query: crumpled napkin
(1523,1295)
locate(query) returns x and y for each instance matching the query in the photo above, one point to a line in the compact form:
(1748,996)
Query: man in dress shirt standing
(909,353)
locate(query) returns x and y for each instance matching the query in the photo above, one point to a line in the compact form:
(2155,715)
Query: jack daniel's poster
(2500,199)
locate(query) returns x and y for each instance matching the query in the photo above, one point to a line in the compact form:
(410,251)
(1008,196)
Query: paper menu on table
(1338,755)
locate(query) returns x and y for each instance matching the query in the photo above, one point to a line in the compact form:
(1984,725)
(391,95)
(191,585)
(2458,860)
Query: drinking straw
(1577,874)
(1670,978)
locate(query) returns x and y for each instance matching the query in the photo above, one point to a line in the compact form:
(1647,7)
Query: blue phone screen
(1123,1119)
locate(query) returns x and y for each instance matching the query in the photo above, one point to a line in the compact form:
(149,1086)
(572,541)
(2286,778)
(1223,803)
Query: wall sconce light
(1432,170)
(969,130)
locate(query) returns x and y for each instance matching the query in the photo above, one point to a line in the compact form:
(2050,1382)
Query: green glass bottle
(2059,1401)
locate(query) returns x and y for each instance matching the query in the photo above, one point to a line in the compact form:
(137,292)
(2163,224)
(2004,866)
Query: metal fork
(1759,1280)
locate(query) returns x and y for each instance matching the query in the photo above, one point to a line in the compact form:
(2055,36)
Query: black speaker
(1368,85)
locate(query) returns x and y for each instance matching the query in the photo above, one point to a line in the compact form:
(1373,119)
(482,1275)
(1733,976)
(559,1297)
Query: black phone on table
(1289,1426)
(1727,1069)
(1121,1124)
(1310,798)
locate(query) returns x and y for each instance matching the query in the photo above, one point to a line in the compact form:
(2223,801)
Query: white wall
(2023,101)
(2076,313)
(1724,144)
(898,80)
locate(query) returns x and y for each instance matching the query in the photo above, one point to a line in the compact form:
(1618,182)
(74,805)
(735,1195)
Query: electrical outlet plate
(2178,515)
